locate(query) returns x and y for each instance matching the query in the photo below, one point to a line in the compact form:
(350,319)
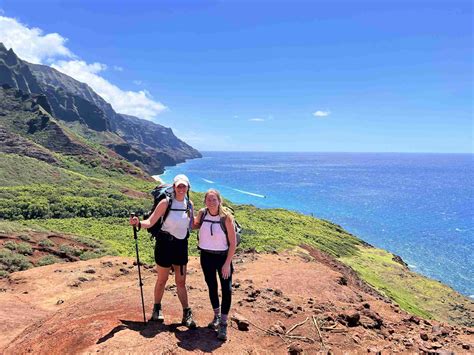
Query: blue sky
(362,76)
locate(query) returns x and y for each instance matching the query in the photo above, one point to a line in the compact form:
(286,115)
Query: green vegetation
(48,260)
(46,243)
(11,261)
(20,248)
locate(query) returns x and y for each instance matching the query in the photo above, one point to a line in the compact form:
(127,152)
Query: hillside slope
(94,306)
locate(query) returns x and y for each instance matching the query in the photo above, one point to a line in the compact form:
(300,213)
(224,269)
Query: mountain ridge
(146,144)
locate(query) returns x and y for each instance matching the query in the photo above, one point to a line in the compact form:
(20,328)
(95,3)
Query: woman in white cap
(171,249)
(217,243)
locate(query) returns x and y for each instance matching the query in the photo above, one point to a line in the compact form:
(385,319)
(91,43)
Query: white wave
(458,230)
(411,266)
(249,193)
(208,181)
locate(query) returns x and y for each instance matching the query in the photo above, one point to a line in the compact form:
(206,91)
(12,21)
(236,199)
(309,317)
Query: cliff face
(146,144)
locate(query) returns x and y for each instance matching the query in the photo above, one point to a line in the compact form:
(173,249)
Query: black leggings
(212,263)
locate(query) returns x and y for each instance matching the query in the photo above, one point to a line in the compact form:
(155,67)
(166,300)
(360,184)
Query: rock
(366,305)
(109,263)
(371,319)
(295,348)
(439,330)
(436,345)
(342,281)
(278,292)
(242,322)
(236,285)
(83,279)
(59,302)
(444,352)
(374,350)
(352,319)
(124,271)
(466,346)
(90,271)
(408,342)
(413,319)
(424,336)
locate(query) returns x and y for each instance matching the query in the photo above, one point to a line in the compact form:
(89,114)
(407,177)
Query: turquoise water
(419,206)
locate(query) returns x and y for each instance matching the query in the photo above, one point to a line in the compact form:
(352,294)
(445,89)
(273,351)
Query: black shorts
(170,250)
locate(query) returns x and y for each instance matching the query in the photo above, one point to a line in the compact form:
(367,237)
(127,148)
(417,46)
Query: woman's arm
(154,217)
(229,224)
(197,220)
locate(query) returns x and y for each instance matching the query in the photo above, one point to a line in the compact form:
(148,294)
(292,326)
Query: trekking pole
(138,264)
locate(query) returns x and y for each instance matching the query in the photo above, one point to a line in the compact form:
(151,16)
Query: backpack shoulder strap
(223,226)
(203,212)
(168,208)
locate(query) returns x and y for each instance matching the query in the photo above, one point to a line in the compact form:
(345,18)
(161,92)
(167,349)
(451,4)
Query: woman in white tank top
(217,250)
(171,249)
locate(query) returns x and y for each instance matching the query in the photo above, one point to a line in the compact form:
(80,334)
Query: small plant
(11,261)
(46,243)
(25,238)
(24,248)
(3,274)
(90,255)
(70,250)
(48,260)
(21,248)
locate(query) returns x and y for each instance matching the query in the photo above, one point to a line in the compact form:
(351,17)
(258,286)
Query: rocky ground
(300,301)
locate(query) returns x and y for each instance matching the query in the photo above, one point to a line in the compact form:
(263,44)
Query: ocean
(418,206)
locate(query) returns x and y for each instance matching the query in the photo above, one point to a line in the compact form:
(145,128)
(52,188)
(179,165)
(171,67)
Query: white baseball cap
(181,179)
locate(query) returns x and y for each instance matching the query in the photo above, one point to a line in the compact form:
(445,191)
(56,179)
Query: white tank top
(177,222)
(215,239)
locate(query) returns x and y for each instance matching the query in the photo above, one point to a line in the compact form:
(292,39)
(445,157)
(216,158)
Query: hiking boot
(188,320)
(214,324)
(222,332)
(157,314)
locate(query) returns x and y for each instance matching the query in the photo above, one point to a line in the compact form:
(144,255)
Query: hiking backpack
(237,226)
(166,191)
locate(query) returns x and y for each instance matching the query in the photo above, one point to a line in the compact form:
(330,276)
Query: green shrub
(21,248)
(70,251)
(46,243)
(25,238)
(24,248)
(89,254)
(3,274)
(11,261)
(48,260)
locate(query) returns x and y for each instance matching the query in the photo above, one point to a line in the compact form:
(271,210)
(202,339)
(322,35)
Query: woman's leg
(209,269)
(160,284)
(180,280)
(226,286)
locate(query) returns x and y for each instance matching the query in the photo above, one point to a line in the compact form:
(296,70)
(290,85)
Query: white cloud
(32,45)
(117,68)
(321,113)
(257,119)
(138,82)
(134,103)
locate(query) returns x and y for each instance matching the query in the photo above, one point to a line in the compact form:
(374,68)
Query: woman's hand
(226,270)
(134,221)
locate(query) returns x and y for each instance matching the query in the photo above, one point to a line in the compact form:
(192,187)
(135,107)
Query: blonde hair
(222,210)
